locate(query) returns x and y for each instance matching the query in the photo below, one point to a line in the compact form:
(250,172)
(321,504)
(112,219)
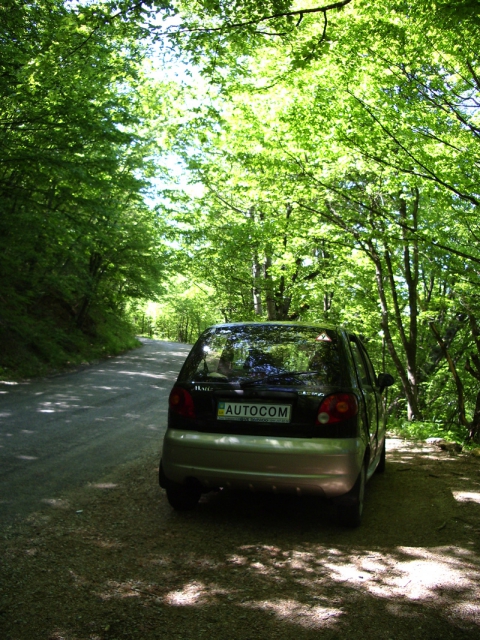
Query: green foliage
(423,430)
(333,166)
(184,312)
(76,238)
(339,175)
(42,346)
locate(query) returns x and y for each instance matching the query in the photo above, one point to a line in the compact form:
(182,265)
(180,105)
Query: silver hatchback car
(275,406)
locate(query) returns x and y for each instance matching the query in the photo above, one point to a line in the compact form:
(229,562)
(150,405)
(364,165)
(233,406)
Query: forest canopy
(244,160)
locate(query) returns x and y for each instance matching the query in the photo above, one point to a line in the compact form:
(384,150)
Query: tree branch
(429,174)
(273,16)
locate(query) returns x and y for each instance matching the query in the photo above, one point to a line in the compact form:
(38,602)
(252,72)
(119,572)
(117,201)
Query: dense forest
(168,165)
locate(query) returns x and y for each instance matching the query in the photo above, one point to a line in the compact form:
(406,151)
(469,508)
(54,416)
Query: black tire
(350,506)
(182,498)
(381,464)
(162,480)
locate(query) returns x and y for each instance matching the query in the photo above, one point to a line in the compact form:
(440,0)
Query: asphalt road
(63,432)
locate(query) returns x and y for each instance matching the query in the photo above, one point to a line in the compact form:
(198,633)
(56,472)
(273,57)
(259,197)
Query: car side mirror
(384,380)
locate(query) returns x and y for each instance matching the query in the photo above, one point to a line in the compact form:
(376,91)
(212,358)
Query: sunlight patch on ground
(62,405)
(299,613)
(56,503)
(108,388)
(467,610)
(237,560)
(103,485)
(163,376)
(189,595)
(418,575)
(465,496)
(420,579)
(195,593)
(171,354)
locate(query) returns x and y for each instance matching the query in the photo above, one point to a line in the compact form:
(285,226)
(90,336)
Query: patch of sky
(164,67)
(163,64)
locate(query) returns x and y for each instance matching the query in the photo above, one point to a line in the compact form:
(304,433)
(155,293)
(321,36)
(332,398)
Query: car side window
(369,364)
(362,363)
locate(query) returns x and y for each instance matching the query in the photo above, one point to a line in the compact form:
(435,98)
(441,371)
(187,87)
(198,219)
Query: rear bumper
(327,467)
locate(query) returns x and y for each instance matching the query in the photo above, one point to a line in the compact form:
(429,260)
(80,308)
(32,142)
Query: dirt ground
(113,561)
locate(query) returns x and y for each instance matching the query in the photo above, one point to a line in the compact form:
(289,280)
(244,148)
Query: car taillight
(337,407)
(181,402)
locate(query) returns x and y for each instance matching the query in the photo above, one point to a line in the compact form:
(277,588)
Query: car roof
(287,323)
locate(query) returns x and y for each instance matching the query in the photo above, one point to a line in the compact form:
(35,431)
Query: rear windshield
(253,352)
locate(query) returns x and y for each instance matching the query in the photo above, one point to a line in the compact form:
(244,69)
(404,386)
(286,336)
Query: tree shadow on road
(121,564)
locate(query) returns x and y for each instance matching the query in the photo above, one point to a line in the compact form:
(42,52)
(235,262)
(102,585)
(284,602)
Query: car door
(371,394)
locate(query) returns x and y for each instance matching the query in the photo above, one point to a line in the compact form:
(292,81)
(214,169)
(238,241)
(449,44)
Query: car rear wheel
(350,506)
(182,498)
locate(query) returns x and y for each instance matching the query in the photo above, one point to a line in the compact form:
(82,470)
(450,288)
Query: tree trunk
(474,430)
(95,274)
(408,383)
(256,291)
(269,293)
(453,370)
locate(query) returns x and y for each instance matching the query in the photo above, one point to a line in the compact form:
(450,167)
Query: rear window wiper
(283,374)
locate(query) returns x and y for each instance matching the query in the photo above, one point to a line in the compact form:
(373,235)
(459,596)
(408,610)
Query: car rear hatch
(263,379)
